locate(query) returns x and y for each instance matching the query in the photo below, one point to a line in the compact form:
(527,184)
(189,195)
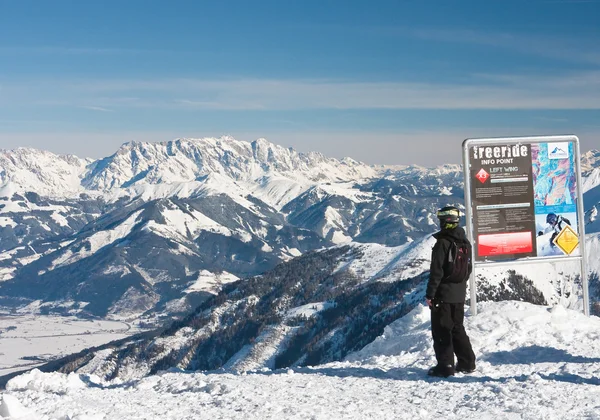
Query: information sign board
(523,200)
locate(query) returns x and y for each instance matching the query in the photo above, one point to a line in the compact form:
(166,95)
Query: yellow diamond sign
(567,240)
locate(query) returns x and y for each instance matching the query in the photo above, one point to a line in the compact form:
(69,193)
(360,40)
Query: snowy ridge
(276,173)
(201,205)
(591,200)
(97,241)
(592,220)
(502,327)
(388,264)
(401,170)
(533,362)
(45,173)
(262,353)
(186,160)
(592,180)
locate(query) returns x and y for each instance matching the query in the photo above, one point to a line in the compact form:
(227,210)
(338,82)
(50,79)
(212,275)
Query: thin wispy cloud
(69,50)
(96,108)
(579,90)
(581,49)
(578,48)
(561,48)
(8,122)
(552,119)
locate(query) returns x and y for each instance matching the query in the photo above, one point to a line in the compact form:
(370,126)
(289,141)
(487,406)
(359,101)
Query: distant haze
(421,148)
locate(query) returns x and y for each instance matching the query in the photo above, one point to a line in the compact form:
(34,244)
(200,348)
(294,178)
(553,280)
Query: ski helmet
(551,218)
(448,214)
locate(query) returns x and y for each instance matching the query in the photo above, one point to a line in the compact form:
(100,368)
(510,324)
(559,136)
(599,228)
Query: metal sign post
(524,203)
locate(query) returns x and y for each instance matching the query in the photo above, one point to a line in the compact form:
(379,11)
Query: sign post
(524,203)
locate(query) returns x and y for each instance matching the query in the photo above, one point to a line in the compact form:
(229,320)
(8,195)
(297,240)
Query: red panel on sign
(504,244)
(482,175)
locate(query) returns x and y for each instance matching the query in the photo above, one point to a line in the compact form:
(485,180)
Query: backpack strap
(450,257)
(453,247)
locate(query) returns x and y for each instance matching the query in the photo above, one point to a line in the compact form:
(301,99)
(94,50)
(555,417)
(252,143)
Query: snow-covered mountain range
(182,161)
(157,227)
(330,252)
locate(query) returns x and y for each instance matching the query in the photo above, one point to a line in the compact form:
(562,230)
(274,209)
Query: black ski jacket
(436,288)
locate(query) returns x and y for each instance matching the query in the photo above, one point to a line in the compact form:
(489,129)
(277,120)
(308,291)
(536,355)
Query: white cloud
(96,108)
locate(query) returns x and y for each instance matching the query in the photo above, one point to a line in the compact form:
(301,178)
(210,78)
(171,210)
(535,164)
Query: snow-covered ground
(30,340)
(534,362)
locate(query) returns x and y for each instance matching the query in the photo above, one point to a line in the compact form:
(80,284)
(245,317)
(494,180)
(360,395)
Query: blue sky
(391,82)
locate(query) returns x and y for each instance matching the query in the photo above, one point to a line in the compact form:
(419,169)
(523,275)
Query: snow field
(47,337)
(211,282)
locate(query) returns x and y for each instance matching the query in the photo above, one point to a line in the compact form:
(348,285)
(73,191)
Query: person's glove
(540,233)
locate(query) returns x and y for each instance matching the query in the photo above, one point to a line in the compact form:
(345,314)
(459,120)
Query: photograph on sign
(555,192)
(549,227)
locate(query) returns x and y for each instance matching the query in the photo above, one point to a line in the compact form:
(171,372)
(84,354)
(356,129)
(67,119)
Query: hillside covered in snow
(314,309)
(532,362)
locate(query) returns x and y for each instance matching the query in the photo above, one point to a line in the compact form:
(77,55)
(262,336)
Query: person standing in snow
(450,268)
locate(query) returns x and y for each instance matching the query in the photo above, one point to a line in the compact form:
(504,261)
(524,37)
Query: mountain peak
(590,160)
(187,159)
(261,141)
(46,173)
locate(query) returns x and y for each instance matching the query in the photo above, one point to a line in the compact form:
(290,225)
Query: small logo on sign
(558,150)
(482,176)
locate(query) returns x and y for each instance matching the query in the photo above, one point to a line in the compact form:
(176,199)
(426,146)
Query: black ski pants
(449,335)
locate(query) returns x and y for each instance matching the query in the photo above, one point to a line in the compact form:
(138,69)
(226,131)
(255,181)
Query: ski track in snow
(534,362)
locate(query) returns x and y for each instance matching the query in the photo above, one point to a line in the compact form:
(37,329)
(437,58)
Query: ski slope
(534,362)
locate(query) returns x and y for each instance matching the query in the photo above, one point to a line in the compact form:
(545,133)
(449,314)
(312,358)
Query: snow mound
(54,383)
(11,408)
(503,333)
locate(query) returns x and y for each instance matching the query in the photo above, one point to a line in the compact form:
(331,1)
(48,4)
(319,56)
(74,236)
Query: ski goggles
(448,213)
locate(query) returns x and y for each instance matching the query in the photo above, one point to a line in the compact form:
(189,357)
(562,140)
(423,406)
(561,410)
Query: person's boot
(442,371)
(464,369)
